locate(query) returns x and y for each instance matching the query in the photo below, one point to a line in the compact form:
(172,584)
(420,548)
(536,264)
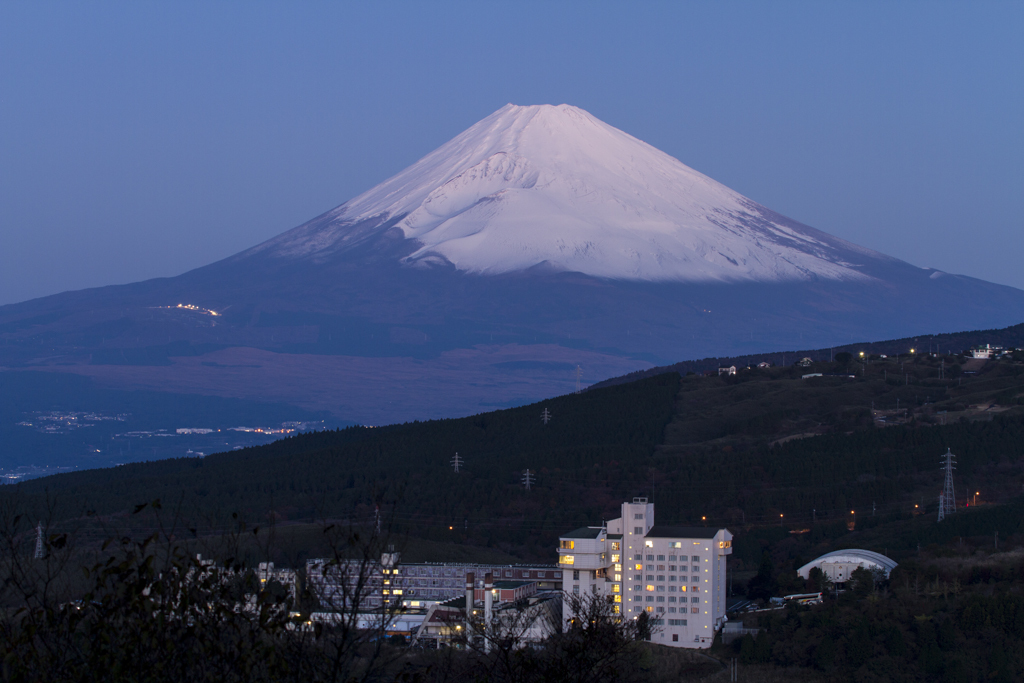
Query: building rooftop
(661,531)
(584,532)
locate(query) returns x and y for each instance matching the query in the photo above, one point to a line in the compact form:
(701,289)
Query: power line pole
(528,479)
(545,416)
(947,501)
(579,376)
(39,541)
(457,462)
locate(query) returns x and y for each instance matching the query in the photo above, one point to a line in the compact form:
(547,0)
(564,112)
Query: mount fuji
(538,240)
(554,187)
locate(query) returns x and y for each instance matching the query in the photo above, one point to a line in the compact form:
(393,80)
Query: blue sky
(144,139)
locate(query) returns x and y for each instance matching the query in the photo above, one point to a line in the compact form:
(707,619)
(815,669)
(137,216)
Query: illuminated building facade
(675,574)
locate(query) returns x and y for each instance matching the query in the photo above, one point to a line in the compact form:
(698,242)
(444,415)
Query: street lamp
(976,494)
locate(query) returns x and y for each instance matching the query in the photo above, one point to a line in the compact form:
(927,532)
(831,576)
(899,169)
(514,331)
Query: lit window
(639,567)
(615,558)
(564,559)
(649,608)
(695,610)
(650,588)
(675,544)
(568,545)
(615,588)
(616,545)
(649,544)
(618,598)
(617,577)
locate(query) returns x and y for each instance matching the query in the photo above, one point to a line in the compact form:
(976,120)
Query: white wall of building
(677,576)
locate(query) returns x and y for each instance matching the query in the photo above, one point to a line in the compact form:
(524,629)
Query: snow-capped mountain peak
(553,186)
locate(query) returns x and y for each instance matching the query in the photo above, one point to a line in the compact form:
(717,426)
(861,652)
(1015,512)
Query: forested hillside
(760,452)
(951,343)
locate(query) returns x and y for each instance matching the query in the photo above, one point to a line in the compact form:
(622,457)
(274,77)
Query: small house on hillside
(805,362)
(731,370)
(985,351)
(763,365)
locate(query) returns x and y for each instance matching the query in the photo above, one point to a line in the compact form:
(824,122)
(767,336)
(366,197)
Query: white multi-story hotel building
(675,574)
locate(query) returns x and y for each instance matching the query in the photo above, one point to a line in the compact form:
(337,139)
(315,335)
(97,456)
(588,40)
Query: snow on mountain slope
(552,186)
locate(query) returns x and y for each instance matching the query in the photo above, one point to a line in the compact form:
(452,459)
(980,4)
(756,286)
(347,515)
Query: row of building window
(671,558)
(661,589)
(459,574)
(672,610)
(671,598)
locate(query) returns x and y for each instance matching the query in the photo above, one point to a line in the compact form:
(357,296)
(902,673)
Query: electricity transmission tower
(39,541)
(545,416)
(947,499)
(457,462)
(528,479)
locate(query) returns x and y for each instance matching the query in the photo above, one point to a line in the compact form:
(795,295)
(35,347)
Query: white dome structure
(840,564)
